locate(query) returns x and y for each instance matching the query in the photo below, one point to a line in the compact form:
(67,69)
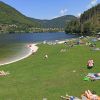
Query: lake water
(34,37)
(13,46)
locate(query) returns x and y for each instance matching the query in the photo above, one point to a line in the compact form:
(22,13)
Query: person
(46,56)
(97,74)
(90,95)
(90,63)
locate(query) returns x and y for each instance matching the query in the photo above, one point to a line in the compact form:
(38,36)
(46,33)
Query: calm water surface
(12,45)
(34,37)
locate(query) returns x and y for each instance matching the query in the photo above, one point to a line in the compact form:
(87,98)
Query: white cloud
(63,12)
(78,15)
(92,3)
(55,17)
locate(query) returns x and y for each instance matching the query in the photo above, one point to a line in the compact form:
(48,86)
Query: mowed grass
(35,77)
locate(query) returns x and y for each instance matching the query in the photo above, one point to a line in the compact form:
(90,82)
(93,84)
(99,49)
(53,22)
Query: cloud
(55,17)
(92,3)
(63,12)
(78,15)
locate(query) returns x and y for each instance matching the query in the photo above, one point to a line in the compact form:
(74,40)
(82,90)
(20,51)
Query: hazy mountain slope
(59,22)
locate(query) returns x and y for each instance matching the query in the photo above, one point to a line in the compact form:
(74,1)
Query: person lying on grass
(90,95)
(90,63)
(3,73)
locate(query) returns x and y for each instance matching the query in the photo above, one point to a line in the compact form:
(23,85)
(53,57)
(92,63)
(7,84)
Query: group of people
(87,95)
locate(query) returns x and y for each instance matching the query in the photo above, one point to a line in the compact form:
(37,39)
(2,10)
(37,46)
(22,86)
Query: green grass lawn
(35,77)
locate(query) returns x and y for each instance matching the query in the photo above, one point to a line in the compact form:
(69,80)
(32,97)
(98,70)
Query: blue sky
(48,9)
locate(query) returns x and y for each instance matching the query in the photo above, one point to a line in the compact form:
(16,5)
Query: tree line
(87,24)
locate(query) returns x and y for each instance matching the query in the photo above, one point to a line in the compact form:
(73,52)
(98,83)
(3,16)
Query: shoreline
(32,49)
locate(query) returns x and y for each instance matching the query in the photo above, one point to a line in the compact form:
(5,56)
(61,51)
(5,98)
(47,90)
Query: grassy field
(35,78)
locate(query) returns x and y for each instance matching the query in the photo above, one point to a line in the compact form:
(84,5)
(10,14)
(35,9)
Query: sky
(49,9)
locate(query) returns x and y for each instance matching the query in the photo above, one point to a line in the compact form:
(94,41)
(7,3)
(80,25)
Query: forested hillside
(11,20)
(87,24)
(58,22)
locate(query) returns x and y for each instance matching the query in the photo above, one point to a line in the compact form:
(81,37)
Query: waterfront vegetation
(87,24)
(35,77)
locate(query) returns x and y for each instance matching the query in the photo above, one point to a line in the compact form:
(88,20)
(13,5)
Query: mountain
(59,22)
(11,17)
(12,21)
(87,24)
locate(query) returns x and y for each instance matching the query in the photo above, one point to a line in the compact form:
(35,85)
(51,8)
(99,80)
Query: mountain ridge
(58,22)
(11,21)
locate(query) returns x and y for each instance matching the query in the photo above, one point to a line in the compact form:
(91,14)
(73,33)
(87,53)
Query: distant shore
(32,48)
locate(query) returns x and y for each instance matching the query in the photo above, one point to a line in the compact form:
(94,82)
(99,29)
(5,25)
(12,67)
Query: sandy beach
(31,48)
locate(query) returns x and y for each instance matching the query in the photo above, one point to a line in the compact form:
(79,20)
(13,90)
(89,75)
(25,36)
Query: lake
(13,46)
(34,37)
